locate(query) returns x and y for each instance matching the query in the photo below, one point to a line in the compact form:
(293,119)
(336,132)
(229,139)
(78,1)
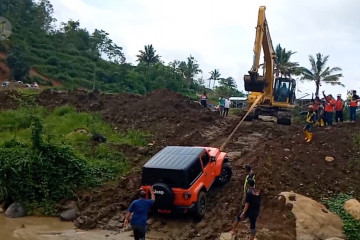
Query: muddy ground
(282,161)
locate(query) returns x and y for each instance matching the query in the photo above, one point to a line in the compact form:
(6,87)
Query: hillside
(71,57)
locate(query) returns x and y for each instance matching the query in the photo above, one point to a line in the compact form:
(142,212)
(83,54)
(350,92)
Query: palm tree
(148,56)
(320,73)
(189,69)
(214,75)
(283,66)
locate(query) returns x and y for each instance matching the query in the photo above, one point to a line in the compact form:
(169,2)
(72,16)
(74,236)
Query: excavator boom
(275,94)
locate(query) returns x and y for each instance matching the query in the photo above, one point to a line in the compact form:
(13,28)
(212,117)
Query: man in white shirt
(226,106)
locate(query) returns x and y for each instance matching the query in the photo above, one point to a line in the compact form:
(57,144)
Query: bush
(40,167)
(41,173)
(351,226)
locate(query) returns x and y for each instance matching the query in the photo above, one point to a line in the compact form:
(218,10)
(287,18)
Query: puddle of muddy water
(47,228)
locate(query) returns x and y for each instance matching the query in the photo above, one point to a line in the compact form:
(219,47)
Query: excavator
(269,96)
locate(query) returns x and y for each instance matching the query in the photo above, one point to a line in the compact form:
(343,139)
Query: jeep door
(208,170)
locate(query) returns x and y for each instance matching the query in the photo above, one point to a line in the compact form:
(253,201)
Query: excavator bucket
(254,82)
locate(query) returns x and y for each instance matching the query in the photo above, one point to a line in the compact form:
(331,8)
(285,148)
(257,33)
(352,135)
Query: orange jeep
(181,177)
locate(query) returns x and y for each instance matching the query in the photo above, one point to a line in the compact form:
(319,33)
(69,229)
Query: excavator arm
(255,82)
(268,96)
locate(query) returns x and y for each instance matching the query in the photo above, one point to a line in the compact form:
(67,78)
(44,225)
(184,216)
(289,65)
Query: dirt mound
(287,163)
(9,99)
(170,118)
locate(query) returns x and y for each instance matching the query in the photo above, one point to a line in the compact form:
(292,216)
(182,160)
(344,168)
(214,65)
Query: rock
(352,206)
(329,159)
(97,137)
(69,215)
(226,236)
(15,210)
(85,222)
(268,118)
(292,197)
(286,150)
(335,238)
(142,150)
(312,222)
(130,185)
(234,155)
(68,205)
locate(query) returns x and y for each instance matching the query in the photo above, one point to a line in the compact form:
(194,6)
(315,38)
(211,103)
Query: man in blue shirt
(139,210)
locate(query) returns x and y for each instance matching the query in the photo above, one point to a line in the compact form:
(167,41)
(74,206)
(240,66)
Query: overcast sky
(220,34)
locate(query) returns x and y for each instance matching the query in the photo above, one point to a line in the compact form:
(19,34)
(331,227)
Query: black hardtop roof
(175,157)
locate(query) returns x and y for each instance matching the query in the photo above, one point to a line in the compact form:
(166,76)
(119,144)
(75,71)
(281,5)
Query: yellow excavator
(271,96)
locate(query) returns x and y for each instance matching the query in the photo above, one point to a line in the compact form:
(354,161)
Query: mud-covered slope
(170,118)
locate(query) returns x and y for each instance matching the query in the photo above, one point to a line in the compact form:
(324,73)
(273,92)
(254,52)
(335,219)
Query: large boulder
(313,220)
(69,211)
(69,215)
(352,206)
(15,210)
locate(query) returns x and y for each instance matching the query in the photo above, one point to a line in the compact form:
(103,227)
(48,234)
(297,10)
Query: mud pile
(170,118)
(288,163)
(9,99)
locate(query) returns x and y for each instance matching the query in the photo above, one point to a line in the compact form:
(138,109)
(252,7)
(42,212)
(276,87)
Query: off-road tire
(224,176)
(164,200)
(200,206)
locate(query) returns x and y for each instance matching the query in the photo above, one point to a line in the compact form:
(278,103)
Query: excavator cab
(284,90)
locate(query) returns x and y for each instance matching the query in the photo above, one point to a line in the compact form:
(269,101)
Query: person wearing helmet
(310,121)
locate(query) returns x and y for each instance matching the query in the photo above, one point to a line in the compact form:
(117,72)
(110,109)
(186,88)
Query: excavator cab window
(292,92)
(282,89)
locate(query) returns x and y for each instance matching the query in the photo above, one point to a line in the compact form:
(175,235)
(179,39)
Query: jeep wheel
(200,206)
(225,175)
(164,196)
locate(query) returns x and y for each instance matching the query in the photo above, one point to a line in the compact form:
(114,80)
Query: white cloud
(220,34)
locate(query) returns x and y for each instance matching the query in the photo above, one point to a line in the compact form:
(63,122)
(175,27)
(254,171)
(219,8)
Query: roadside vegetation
(351,225)
(44,161)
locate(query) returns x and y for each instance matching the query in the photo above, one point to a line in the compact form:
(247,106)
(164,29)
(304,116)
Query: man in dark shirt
(139,210)
(251,209)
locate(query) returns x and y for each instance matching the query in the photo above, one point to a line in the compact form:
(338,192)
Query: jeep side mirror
(213,158)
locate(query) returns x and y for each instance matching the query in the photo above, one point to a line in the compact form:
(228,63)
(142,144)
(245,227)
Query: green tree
(18,62)
(100,43)
(148,56)
(214,75)
(189,70)
(283,66)
(319,72)
(44,11)
(228,87)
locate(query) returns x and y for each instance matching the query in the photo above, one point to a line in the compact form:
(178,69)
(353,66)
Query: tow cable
(242,119)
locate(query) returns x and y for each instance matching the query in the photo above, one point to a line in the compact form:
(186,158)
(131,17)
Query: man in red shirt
(329,109)
(339,109)
(353,106)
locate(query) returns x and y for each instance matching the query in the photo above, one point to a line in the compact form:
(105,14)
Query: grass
(66,126)
(351,226)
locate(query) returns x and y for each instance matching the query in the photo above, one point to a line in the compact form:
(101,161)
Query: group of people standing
(224,104)
(321,112)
